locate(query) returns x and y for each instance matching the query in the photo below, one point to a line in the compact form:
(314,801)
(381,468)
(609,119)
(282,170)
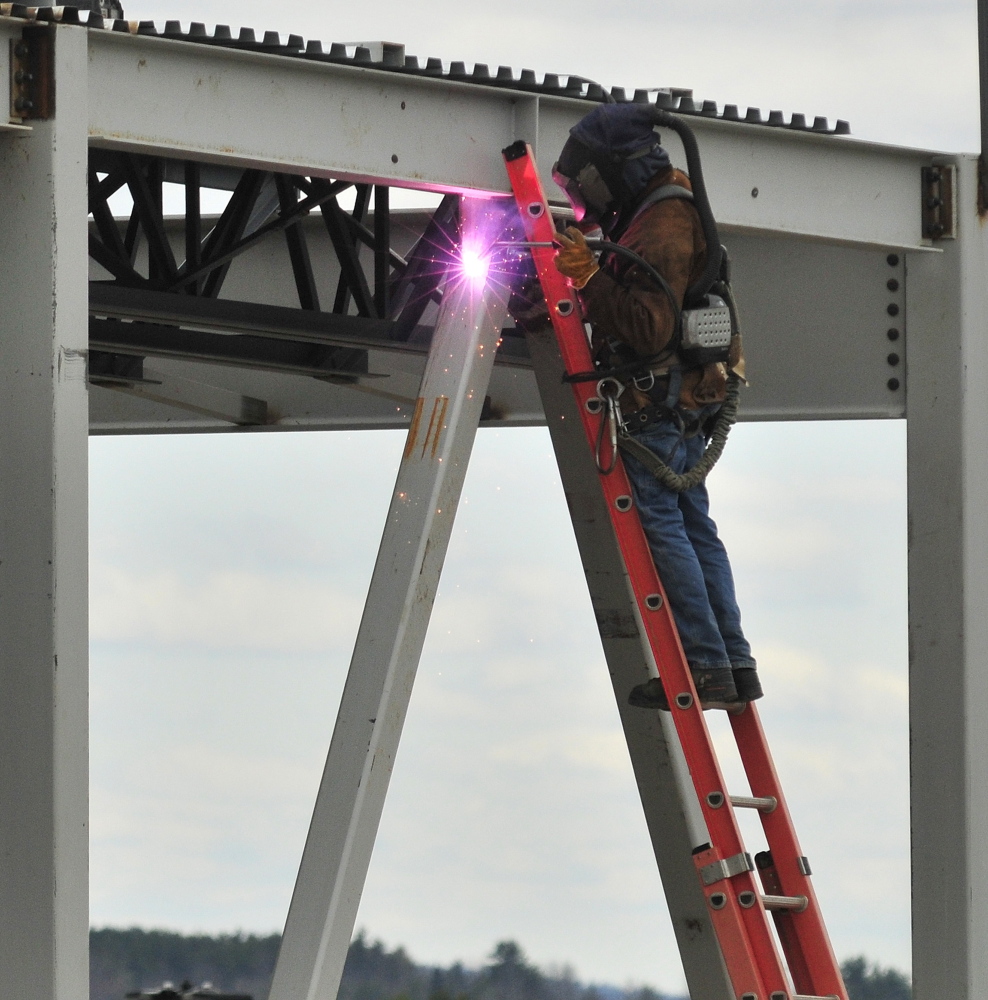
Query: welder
(619,179)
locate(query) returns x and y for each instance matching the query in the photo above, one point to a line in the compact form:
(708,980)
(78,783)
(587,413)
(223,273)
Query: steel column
(675,824)
(389,642)
(947,410)
(44,804)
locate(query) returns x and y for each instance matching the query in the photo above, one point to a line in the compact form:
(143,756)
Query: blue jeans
(691,559)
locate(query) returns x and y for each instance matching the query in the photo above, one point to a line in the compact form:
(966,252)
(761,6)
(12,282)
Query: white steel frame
(833,208)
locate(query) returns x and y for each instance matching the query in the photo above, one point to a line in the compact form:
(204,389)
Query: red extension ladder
(739,903)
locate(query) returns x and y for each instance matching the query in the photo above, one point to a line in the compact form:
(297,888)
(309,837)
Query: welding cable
(605,246)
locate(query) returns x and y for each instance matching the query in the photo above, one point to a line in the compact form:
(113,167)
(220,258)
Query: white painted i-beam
(392,632)
(947,412)
(44,631)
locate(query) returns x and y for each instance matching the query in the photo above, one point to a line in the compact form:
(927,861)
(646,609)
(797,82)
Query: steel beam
(947,412)
(389,643)
(817,317)
(675,824)
(251,109)
(44,801)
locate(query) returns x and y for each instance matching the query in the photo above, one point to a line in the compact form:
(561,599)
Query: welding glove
(575,259)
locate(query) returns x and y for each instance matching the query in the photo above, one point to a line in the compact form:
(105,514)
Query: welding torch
(608,247)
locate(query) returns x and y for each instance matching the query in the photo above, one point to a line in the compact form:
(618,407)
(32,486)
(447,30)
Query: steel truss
(165,289)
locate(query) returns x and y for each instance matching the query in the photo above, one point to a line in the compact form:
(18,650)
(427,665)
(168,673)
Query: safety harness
(717,314)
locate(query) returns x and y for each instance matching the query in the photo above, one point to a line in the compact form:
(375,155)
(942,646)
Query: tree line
(127,960)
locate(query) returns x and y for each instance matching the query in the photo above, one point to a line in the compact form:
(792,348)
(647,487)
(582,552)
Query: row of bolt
(893,331)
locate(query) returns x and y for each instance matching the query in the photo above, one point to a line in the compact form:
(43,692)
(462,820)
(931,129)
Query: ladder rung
(764,803)
(795,903)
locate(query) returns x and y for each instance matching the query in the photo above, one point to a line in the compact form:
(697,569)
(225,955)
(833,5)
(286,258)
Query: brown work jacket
(623,303)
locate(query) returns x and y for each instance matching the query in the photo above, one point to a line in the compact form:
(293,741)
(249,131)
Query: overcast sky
(228,575)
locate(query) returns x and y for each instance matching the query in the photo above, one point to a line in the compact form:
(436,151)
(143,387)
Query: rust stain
(437,424)
(414,429)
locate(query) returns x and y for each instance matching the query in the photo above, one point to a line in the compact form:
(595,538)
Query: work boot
(747,683)
(651,694)
(715,689)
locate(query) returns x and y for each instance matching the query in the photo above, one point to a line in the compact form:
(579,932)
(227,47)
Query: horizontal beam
(155,340)
(229,106)
(825,335)
(167,310)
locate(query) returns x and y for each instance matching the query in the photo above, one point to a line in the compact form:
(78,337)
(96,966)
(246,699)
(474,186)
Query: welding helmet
(609,158)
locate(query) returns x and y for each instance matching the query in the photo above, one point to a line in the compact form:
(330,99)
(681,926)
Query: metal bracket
(726,868)
(939,209)
(32,79)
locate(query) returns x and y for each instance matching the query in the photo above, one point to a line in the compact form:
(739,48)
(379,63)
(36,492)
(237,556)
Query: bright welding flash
(474,264)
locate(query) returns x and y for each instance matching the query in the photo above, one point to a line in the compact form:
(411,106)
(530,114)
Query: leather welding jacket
(623,303)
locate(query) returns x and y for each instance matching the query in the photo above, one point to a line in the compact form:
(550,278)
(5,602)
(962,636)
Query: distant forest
(124,961)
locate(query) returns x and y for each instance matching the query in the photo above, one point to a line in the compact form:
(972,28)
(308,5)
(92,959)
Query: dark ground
(134,959)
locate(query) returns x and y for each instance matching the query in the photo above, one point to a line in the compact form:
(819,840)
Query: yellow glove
(574,258)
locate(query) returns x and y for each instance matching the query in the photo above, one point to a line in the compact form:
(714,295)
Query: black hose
(677,333)
(623,251)
(695,293)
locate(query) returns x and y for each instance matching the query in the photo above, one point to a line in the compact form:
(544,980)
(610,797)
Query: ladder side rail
(657,619)
(804,936)
(791,945)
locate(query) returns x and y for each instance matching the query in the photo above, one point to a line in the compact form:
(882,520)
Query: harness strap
(661,194)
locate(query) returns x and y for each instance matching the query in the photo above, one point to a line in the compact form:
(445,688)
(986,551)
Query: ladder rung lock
(795,903)
(803,996)
(726,868)
(764,803)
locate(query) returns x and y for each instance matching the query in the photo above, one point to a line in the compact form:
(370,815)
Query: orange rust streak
(440,423)
(414,429)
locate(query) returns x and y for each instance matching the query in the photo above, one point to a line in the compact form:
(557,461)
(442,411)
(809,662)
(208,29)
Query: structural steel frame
(120,105)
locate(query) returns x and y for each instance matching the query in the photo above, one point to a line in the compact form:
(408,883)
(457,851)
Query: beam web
(947,410)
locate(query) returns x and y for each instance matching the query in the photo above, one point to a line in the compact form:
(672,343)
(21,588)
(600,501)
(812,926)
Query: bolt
(892,260)
(893,333)
(893,359)
(892,309)
(933,202)
(394,157)
(20,49)
(754,192)
(402,105)
(23,77)
(23,104)
(893,384)
(892,285)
